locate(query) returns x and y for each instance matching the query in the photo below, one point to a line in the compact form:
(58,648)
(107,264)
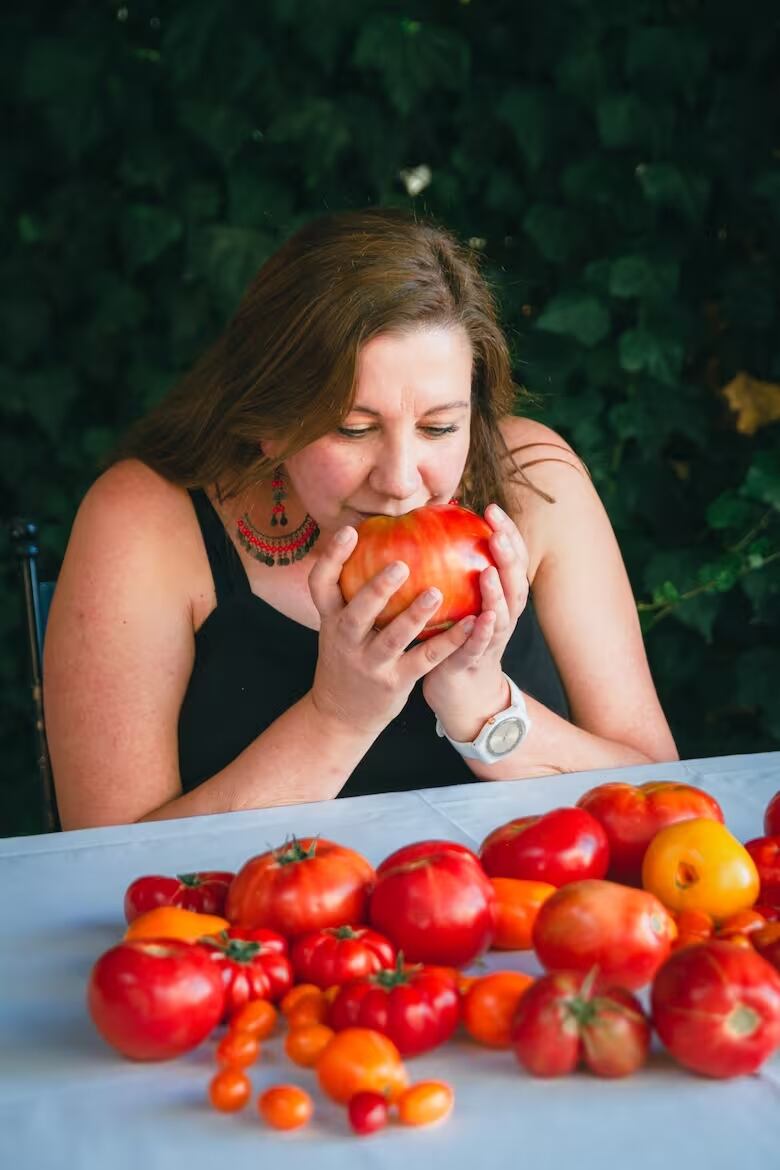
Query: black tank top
(252,663)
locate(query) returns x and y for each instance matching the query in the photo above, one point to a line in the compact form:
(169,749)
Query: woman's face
(404,443)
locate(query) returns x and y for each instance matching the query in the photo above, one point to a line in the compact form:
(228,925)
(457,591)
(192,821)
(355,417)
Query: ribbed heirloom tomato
(339,954)
(204,891)
(772,816)
(253,964)
(564,845)
(765,852)
(304,885)
(445,547)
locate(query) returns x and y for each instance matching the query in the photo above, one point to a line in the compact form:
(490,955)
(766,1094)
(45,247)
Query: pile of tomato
(633,890)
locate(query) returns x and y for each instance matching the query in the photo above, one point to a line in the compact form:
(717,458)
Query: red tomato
(560,1023)
(424,849)
(765,851)
(626,933)
(418,1008)
(716,1007)
(565,845)
(767,943)
(204,892)
(339,954)
(439,908)
(631,817)
(444,545)
(153,1000)
(252,965)
(367,1112)
(772,816)
(305,885)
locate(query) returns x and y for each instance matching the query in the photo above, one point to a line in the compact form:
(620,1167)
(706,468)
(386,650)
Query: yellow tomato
(699,865)
(174,922)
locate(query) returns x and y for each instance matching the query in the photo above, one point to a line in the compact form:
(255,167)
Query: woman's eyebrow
(431,410)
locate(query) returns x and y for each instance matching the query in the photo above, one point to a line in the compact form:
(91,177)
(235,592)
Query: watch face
(506,736)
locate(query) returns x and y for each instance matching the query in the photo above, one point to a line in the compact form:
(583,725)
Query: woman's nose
(395,474)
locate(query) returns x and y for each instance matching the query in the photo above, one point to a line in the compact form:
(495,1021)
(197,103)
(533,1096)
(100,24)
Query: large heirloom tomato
(155,1000)
(253,964)
(424,849)
(417,1007)
(772,816)
(339,954)
(305,885)
(716,1007)
(765,852)
(560,1022)
(626,933)
(205,892)
(445,547)
(632,815)
(565,845)
(699,865)
(438,908)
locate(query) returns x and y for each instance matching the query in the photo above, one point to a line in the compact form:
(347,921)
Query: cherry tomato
(305,1045)
(304,885)
(258,1017)
(765,852)
(438,908)
(154,1000)
(699,865)
(297,994)
(204,892)
(230,1090)
(632,816)
(517,904)
(716,1007)
(490,1004)
(565,845)
(238,1049)
(367,1112)
(285,1107)
(425,1102)
(625,932)
(173,922)
(445,546)
(339,954)
(358,1060)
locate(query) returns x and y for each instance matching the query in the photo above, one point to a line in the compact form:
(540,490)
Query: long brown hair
(285,365)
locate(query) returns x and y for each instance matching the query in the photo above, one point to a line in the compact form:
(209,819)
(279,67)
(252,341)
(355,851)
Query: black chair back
(37,598)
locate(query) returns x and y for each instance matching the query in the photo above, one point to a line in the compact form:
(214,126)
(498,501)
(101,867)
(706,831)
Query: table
(66,1100)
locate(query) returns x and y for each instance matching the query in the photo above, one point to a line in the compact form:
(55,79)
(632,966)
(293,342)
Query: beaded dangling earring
(278,513)
(278,550)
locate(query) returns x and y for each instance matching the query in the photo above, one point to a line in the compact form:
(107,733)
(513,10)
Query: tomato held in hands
(561,1023)
(437,909)
(340,954)
(252,965)
(155,1000)
(765,852)
(716,1008)
(445,546)
(626,933)
(204,891)
(417,1007)
(699,865)
(565,845)
(632,815)
(305,885)
(772,816)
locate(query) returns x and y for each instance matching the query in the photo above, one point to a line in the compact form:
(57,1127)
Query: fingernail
(499,513)
(343,535)
(396,571)
(431,597)
(467,625)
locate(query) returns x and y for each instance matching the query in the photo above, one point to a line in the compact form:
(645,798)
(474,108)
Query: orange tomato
(310,1009)
(425,1102)
(174,922)
(305,1045)
(699,865)
(238,1049)
(490,1004)
(361,1060)
(745,922)
(230,1090)
(258,1017)
(297,994)
(518,903)
(285,1106)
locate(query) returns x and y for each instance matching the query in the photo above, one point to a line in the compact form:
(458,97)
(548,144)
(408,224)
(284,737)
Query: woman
(199,655)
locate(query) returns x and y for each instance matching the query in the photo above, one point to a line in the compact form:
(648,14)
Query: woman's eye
(359,432)
(436,432)
(354,432)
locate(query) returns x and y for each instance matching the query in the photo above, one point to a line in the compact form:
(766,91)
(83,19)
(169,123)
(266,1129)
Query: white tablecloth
(67,1101)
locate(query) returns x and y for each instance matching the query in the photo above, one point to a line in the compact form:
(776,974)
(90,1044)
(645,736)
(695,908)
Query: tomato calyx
(342,932)
(389,977)
(238,950)
(191,880)
(293,851)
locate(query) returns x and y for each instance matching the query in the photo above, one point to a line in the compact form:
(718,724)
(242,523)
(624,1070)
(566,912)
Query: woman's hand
(363,676)
(468,687)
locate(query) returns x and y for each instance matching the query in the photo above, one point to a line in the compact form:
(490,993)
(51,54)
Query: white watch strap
(477,749)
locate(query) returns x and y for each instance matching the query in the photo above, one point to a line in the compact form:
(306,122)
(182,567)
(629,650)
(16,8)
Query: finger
(403,630)
(325,573)
(359,617)
(493,596)
(422,658)
(511,556)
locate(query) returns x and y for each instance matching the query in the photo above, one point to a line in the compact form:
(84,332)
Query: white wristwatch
(501,734)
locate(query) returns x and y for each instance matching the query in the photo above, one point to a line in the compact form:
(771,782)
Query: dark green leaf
(580,315)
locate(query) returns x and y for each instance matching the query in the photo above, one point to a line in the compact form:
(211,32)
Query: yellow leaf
(755,403)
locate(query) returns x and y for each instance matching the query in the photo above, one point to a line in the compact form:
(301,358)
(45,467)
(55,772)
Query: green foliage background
(616,161)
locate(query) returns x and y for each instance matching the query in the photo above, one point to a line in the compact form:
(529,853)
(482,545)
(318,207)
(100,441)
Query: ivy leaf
(667,185)
(730,511)
(527,111)
(641,350)
(413,58)
(146,231)
(644,276)
(227,258)
(699,613)
(579,314)
(667,59)
(623,120)
(762,481)
(721,575)
(554,230)
(222,128)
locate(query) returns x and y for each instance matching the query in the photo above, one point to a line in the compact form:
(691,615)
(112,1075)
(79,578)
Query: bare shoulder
(131,493)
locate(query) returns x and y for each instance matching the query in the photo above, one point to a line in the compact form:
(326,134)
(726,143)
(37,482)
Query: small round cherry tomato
(230,1090)
(367,1112)
(305,1045)
(258,1017)
(238,1049)
(425,1102)
(285,1107)
(298,993)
